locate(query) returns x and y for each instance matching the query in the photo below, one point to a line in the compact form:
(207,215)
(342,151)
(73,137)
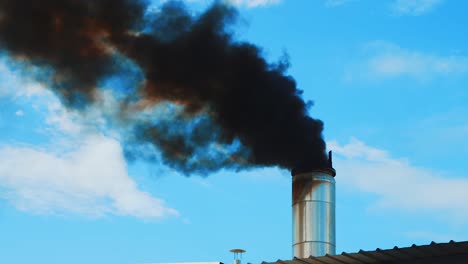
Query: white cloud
(62,119)
(81,171)
(90,180)
(414,7)
(397,184)
(58,119)
(451,125)
(399,7)
(15,84)
(335,3)
(387,60)
(254,3)
(247,3)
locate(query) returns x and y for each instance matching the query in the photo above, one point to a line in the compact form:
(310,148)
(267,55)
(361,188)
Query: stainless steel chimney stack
(313,206)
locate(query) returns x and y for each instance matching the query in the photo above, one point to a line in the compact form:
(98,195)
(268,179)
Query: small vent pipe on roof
(313,204)
(237,255)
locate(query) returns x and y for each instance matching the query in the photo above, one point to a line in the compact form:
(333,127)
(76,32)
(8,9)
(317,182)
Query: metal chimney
(313,196)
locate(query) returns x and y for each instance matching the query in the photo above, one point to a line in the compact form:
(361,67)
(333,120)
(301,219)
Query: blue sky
(387,77)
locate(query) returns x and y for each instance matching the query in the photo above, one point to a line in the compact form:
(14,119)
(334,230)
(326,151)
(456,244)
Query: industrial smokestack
(313,196)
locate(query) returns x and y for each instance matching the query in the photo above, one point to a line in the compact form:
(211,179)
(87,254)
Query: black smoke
(236,110)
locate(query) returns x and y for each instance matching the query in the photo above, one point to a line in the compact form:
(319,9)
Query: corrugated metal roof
(446,253)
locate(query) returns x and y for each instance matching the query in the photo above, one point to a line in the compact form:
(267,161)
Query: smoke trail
(69,36)
(232,107)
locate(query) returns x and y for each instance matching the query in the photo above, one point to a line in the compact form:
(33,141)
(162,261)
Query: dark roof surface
(440,253)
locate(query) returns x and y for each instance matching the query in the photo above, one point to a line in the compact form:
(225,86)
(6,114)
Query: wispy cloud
(398,184)
(82,171)
(335,3)
(399,7)
(254,3)
(246,3)
(414,7)
(90,180)
(387,60)
(447,131)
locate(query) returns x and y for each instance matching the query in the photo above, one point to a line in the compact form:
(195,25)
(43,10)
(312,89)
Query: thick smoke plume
(231,108)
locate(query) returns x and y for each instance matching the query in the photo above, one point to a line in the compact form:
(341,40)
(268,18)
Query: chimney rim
(329,171)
